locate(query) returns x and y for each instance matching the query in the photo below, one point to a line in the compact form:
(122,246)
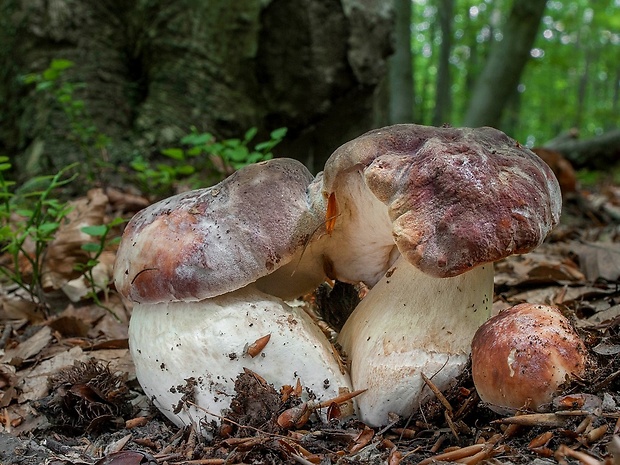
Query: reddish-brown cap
(457,197)
(521,356)
(207,242)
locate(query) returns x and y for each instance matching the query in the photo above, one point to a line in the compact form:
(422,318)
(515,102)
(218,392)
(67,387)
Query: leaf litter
(69,394)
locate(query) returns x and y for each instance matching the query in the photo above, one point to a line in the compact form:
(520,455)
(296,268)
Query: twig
(438,394)
(534,419)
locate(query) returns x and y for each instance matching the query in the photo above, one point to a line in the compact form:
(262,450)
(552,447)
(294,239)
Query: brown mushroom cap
(457,197)
(208,242)
(522,355)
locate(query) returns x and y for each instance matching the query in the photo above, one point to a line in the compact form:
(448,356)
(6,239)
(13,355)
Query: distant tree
(400,67)
(443,99)
(505,64)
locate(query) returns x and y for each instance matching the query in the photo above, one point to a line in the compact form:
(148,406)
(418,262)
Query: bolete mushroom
(420,214)
(207,271)
(521,356)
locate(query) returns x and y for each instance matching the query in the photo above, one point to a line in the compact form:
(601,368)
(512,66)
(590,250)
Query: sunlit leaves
(571,80)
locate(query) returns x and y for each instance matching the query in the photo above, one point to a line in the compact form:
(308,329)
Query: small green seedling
(95,249)
(29,219)
(202,160)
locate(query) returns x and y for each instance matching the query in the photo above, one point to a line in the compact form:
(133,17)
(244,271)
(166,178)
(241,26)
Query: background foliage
(572,79)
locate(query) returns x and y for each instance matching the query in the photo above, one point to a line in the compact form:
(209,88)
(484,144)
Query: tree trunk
(505,65)
(400,67)
(153,69)
(443,94)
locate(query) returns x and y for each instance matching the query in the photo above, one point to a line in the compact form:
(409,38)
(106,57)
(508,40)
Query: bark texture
(505,65)
(154,68)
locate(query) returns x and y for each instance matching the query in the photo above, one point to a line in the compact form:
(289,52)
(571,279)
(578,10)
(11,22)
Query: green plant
(91,142)
(29,218)
(202,159)
(95,249)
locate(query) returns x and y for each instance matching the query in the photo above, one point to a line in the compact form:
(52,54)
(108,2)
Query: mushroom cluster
(418,214)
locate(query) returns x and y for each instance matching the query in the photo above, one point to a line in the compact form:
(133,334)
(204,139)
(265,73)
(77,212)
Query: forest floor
(68,392)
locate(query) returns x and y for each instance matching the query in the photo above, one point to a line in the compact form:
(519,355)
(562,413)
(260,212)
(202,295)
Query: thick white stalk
(206,341)
(412,323)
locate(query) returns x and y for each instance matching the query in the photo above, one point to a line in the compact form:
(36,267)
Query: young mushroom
(521,356)
(207,271)
(420,214)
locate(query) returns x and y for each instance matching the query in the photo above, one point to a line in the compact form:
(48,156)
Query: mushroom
(420,214)
(521,356)
(207,271)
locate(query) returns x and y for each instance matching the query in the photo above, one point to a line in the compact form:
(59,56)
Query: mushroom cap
(456,197)
(208,242)
(523,355)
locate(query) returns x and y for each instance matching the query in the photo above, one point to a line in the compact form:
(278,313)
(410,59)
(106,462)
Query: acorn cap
(208,242)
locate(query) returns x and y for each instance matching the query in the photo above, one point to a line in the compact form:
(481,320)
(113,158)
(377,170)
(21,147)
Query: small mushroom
(521,357)
(207,271)
(420,214)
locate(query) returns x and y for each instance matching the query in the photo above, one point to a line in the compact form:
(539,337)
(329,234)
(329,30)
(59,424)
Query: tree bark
(153,69)
(443,94)
(400,67)
(505,64)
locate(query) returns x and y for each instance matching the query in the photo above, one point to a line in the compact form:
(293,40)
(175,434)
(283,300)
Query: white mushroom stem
(412,323)
(206,342)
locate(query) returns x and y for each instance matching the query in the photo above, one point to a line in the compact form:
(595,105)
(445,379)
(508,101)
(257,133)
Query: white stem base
(173,342)
(412,323)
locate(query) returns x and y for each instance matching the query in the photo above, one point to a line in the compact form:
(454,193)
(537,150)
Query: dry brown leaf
(540,267)
(598,260)
(29,348)
(13,307)
(126,202)
(65,251)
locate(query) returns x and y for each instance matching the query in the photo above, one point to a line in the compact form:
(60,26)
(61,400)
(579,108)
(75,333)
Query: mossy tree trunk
(154,68)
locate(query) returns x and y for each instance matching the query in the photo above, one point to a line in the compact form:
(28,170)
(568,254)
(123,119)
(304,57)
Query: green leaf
(61,64)
(43,85)
(250,133)
(24,212)
(174,153)
(47,228)
(139,165)
(197,139)
(264,146)
(278,134)
(116,221)
(91,247)
(96,231)
(185,170)
(195,151)
(50,74)
(5,166)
